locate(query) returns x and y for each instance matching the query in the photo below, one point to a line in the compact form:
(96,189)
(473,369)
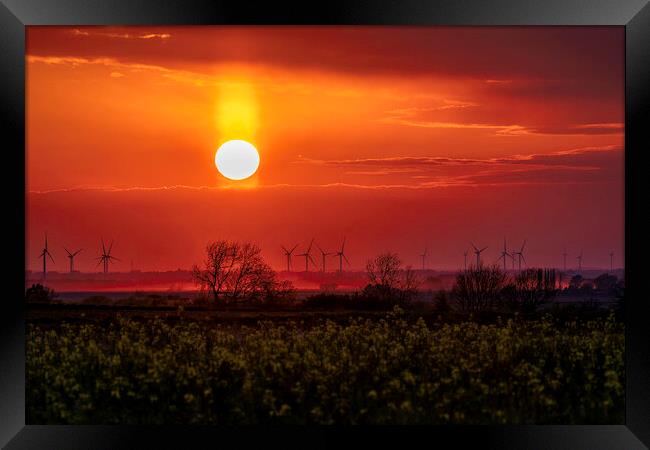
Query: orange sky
(396,137)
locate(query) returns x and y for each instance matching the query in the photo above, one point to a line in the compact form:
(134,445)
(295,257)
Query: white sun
(237,160)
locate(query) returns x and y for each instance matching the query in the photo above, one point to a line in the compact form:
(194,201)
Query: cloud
(573,166)
(592,55)
(418,117)
(390,161)
(113,189)
(188,77)
(583,164)
(415,161)
(85,33)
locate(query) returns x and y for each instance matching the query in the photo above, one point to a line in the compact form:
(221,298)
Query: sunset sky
(399,138)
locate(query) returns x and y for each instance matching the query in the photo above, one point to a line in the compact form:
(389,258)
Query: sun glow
(237,159)
(237,111)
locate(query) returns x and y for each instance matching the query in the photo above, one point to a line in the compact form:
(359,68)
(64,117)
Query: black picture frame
(634,15)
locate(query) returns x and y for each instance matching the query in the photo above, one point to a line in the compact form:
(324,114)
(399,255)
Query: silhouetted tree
(534,287)
(233,271)
(39,294)
(389,281)
(479,287)
(576,282)
(606,282)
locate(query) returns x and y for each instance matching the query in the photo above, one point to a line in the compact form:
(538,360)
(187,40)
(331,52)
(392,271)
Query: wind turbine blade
(312,260)
(77,252)
(472,244)
(346,259)
(67,251)
(321,250)
(101,260)
(48,254)
(523,245)
(294,247)
(285,250)
(113,257)
(522,257)
(484,248)
(110,247)
(103,246)
(343,246)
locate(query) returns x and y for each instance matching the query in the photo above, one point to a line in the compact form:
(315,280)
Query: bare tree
(384,270)
(233,271)
(534,287)
(388,280)
(479,287)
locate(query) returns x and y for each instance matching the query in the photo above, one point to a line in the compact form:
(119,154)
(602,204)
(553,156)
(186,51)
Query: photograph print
(341,225)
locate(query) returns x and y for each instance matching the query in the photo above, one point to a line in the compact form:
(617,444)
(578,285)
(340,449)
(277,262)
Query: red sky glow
(398,138)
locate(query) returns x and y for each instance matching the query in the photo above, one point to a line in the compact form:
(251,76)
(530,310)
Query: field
(311,368)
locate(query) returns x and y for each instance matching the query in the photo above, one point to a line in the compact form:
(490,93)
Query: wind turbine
(288,254)
(520,254)
(324,254)
(307,256)
(106,257)
(478,252)
(465,254)
(504,253)
(71,257)
(45,254)
(424,258)
(579,258)
(341,255)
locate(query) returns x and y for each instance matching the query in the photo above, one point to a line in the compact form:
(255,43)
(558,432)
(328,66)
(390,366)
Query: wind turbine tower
(106,256)
(478,252)
(288,254)
(611,261)
(520,254)
(465,255)
(424,258)
(307,256)
(324,254)
(579,258)
(341,255)
(504,254)
(564,255)
(71,257)
(46,254)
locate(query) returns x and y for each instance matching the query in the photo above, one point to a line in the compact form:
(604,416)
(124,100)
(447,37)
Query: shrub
(39,294)
(479,288)
(533,287)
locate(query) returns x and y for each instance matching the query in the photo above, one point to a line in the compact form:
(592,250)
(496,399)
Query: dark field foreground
(385,368)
